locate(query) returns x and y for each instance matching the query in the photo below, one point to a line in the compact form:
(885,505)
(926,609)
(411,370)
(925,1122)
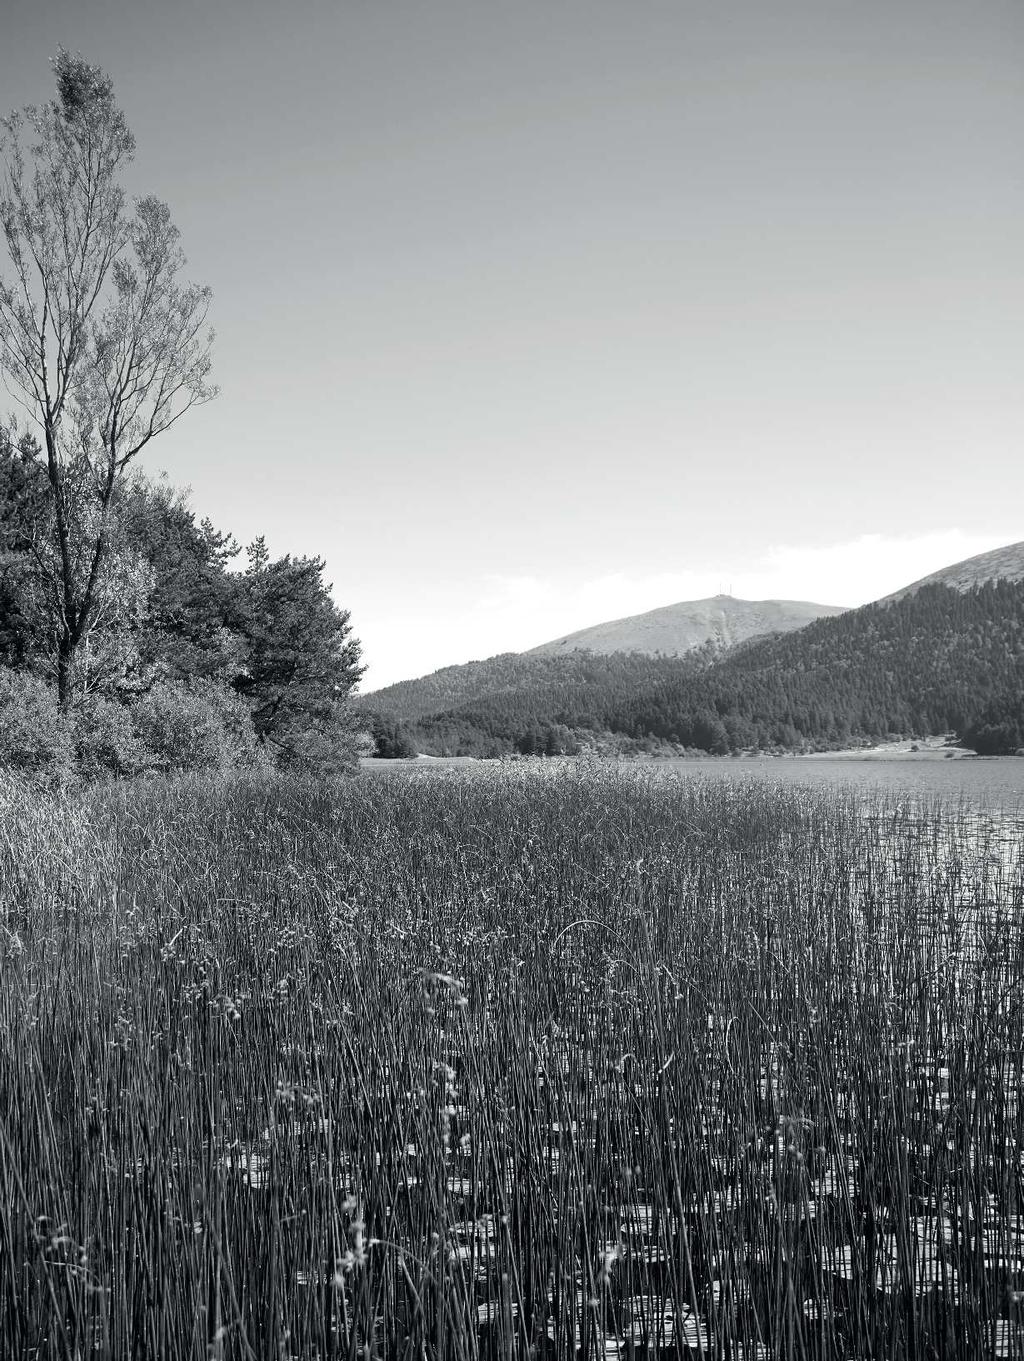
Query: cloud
(512,613)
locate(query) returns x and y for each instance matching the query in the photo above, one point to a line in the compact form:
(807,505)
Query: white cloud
(513,613)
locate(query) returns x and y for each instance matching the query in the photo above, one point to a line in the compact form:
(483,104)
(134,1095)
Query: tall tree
(301,661)
(101,342)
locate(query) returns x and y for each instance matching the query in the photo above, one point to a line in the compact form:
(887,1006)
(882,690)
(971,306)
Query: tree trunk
(65,656)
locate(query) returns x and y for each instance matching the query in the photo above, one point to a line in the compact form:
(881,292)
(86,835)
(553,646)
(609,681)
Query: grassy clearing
(506,1065)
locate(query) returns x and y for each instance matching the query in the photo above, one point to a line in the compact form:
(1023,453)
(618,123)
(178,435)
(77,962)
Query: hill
(477,708)
(697,629)
(944,654)
(999,564)
(674,630)
(934,661)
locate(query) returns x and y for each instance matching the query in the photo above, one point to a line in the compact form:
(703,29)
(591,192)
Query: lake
(989,779)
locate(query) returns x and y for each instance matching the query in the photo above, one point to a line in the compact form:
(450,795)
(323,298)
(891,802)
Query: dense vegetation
(126,643)
(190,663)
(933,662)
(475,1067)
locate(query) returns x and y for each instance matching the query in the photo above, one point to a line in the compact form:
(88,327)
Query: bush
(195,726)
(35,736)
(105,740)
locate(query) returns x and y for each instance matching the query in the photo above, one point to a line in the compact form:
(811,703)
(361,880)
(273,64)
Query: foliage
(300,660)
(212,663)
(196,726)
(452,1067)
(35,737)
(999,729)
(106,741)
(187,629)
(392,741)
(100,340)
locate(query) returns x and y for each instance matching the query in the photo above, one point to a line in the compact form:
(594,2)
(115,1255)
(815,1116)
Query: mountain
(999,564)
(674,630)
(704,627)
(934,661)
(943,654)
(697,629)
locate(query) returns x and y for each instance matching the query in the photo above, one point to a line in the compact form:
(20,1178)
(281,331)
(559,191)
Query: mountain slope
(530,685)
(698,629)
(999,564)
(673,630)
(945,654)
(934,661)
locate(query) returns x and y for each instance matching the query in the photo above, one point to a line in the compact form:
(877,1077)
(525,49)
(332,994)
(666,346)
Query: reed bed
(530,1064)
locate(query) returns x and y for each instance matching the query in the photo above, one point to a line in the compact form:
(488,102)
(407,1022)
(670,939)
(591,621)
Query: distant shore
(925,749)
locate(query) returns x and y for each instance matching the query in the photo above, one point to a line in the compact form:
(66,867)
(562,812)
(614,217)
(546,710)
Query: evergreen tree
(300,660)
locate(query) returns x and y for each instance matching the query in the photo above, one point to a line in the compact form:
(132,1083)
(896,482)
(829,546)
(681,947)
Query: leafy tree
(23,496)
(101,342)
(559,741)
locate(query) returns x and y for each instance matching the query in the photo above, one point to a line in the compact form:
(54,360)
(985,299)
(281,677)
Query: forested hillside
(926,664)
(511,675)
(936,661)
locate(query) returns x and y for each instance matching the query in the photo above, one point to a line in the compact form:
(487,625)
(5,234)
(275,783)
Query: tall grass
(508,1066)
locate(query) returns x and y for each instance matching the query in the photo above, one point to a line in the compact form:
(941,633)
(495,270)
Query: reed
(508,1064)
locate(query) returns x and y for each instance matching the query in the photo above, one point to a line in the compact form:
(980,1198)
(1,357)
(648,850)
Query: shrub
(105,740)
(195,726)
(34,736)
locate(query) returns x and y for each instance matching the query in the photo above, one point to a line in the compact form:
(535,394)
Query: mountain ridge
(673,630)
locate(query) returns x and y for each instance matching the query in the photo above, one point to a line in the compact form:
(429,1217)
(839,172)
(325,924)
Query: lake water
(994,779)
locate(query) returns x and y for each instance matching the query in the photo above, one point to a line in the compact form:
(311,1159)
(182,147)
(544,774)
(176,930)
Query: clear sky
(534,313)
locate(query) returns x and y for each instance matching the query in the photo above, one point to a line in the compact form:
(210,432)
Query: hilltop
(673,630)
(999,564)
(700,630)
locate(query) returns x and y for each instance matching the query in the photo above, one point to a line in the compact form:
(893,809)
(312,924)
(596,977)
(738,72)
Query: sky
(536,313)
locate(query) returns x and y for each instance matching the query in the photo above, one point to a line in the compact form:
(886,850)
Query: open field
(510,1063)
